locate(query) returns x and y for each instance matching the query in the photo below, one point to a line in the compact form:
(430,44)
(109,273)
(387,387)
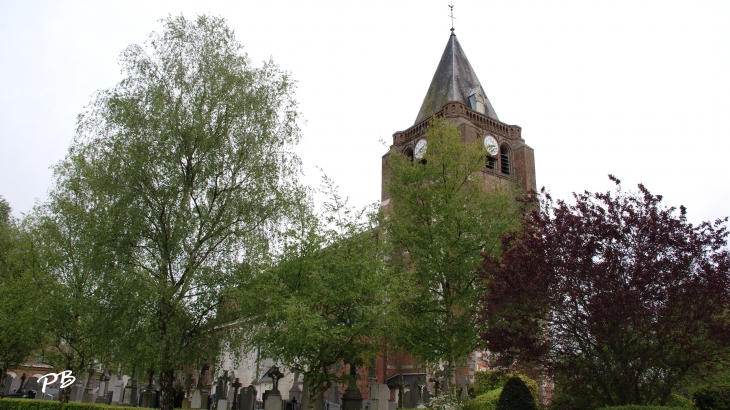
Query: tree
(444,213)
(321,302)
(516,396)
(617,295)
(186,165)
(20,331)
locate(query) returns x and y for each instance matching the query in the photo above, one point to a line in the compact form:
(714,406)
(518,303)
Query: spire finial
(451,14)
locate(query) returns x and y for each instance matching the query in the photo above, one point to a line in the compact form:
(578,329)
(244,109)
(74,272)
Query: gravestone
(379,396)
(196,399)
(8,383)
(236,385)
(305,396)
(295,393)
(248,398)
(15,384)
(464,389)
(149,397)
(333,394)
(352,399)
(220,394)
(77,392)
(273,397)
(31,387)
(117,392)
(185,404)
(101,397)
(205,397)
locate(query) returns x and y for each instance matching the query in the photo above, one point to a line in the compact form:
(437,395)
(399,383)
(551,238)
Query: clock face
(420,149)
(491,145)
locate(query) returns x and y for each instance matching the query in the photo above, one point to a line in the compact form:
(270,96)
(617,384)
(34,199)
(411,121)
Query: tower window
(504,159)
(409,153)
(491,162)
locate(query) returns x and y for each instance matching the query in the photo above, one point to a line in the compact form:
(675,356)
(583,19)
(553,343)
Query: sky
(638,89)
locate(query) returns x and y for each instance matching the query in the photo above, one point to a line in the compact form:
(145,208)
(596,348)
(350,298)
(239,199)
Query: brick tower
(457,95)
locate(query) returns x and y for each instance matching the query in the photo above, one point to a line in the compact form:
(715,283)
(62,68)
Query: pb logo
(64,377)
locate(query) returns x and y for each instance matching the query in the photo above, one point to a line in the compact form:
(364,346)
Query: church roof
(455,80)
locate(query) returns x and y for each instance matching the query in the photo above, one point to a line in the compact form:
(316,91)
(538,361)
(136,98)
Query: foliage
(21,332)
(321,302)
(443,213)
(182,169)
(28,404)
(616,295)
(676,400)
(639,407)
(485,381)
(516,396)
(484,401)
(712,397)
(445,402)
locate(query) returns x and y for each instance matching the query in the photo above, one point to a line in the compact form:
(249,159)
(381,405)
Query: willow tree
(188,161)
(444,213)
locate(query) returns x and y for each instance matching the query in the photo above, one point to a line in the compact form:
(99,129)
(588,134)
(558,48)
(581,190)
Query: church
(456,95)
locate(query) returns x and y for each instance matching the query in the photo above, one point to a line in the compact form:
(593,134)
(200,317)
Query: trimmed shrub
(712,398)
(639,407)
(675,400)
(29,404)
(445,402)
(516,396)
(490,380)
(88,406)
(486,401)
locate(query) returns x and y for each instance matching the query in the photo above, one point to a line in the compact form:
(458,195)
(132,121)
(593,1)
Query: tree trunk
(167,390)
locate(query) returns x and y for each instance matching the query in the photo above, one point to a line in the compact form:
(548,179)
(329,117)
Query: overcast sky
(639,89)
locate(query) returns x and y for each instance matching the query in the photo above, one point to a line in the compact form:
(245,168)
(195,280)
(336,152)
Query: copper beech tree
(617,295)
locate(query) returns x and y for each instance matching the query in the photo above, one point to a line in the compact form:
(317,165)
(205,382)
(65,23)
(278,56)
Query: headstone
(149,398)
(185,403)
(129,391)
(204,397)
(352,399)
(464,389)
(236,385)
(101,397)
(295,393)
(273,400)
(334,394)
(8,383)
(77,391)
(379,397)
(220,394)
(111,383)
(15,385)
(196,399)
(248,398)
(31,387)
(305,396)
(117,394)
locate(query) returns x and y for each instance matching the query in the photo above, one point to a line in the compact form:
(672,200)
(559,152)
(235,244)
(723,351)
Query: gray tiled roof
(454,80)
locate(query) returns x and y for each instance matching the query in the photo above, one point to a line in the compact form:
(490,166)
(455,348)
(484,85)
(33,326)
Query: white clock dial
(491,145)
(420,149)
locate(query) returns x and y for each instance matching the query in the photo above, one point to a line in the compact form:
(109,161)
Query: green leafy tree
(516,396)
(444,213)
(323,299)
(184,168)
(20,331)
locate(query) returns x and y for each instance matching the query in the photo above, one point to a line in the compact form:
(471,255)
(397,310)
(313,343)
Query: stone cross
(275,375)
(236,385)
(464,386)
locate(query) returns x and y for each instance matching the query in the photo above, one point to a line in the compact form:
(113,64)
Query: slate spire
(455,80)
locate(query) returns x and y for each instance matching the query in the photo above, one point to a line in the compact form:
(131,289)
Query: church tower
(456,95)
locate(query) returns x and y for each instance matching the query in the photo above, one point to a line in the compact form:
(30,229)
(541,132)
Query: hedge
(30,404)
(486,401)
(639,407)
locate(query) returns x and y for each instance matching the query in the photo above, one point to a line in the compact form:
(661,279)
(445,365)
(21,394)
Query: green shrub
(490,380)
(675,400)
(516,396)
(28,404)
(712,398)
(485,401)
(638,407)
(88,406)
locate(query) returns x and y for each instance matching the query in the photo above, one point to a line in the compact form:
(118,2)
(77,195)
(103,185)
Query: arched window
(504,159)
(409,153)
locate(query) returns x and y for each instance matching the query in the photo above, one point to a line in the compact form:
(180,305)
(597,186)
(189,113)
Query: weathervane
(451,14)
